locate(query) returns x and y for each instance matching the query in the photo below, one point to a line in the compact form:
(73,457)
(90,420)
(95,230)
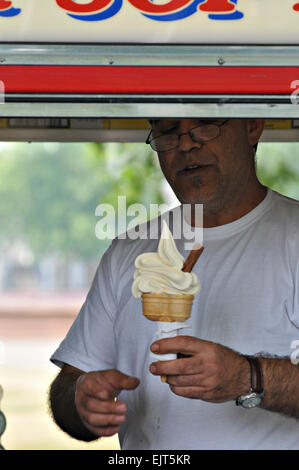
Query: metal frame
(113,135)
(154,106)
(140,106)
(147,55)
(72,135)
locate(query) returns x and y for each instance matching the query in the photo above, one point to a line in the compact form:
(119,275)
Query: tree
(50,191)
(278,167)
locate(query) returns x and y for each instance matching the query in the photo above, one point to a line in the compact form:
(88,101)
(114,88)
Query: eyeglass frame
(148,140)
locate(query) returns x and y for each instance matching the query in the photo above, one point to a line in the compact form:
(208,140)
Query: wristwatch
(256,393)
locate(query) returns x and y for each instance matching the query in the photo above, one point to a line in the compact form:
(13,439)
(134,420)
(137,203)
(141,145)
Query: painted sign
(151,21)
(7,10)
(170,11)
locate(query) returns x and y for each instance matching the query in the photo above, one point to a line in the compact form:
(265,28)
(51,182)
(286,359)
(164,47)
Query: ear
(255,130)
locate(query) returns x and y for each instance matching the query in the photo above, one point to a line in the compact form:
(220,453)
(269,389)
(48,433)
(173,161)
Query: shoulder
(285,218)
(286,202)
(287,210)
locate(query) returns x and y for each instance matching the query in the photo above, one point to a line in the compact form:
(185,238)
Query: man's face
(225,165)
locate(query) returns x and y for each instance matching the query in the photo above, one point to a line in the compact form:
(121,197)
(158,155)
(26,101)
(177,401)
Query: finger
(188,366)
(94,405)
(120,381)
(94,384)
(102,420)
(106,385)
(184,380)
(187,345)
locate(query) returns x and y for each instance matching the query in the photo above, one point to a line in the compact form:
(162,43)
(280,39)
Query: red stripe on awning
(143,79)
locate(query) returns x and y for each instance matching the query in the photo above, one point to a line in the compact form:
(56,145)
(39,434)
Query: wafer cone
(167,307)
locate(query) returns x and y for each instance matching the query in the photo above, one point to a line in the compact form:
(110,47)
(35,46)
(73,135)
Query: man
(248,306)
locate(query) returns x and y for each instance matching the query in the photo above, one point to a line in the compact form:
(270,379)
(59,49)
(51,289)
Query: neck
(228,213)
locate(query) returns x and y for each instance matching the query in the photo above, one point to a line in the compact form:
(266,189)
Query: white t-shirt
(249,301)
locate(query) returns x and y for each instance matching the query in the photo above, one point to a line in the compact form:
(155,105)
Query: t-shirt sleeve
(296,296)
(293,265)
(90,343)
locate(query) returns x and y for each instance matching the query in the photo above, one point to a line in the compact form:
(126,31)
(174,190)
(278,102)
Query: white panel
(236,22)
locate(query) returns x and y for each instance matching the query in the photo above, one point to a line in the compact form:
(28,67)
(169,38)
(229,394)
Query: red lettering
(4,4)
(93,5)
(217,5)
(149,7)
(296,7)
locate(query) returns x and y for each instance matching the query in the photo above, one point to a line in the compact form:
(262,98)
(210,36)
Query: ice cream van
(97,70)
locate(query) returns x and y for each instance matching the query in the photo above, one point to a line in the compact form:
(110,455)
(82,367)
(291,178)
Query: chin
(199,198)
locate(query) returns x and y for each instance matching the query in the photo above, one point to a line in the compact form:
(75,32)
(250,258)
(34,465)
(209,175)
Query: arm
(83,404)
(281,382)
(217,374)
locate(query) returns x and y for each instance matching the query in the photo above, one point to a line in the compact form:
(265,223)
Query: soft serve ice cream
(167,292)
(161,272)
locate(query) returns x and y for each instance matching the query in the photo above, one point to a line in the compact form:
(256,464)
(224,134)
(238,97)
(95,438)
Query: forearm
(62,403)
(281,385)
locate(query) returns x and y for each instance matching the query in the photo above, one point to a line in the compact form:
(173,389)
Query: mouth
(190,169)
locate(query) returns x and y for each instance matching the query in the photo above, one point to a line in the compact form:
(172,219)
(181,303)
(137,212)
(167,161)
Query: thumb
(120,381)
(130,383)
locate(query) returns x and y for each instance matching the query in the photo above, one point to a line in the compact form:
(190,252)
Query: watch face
(250,401)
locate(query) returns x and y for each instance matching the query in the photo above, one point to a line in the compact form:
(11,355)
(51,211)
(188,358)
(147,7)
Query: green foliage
(278,167)
(49,192)
(131,170)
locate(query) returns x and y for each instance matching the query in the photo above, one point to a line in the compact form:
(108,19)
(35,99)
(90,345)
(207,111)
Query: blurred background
(49,193)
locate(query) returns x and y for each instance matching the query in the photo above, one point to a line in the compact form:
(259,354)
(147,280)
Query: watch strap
(257,381)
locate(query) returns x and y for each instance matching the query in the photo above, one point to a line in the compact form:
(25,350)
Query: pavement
(32,327)
(38,314)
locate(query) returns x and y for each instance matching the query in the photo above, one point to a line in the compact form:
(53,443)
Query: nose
(186,143)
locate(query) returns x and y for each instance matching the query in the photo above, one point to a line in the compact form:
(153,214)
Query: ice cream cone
(167,307)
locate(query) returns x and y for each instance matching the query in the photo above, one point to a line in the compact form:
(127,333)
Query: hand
(212,373)
(95,400)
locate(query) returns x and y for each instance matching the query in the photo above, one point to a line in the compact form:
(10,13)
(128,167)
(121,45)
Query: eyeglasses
(199,134)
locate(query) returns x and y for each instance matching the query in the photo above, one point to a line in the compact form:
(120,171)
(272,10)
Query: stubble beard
(210,207)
